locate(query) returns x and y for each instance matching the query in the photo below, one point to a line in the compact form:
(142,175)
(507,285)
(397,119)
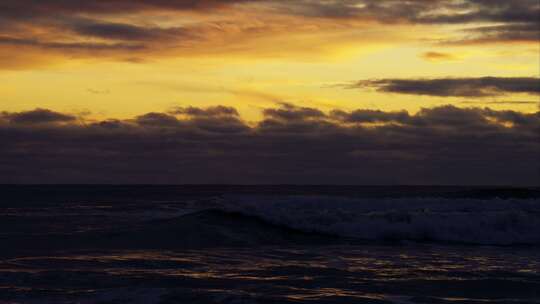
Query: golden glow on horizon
(251,60)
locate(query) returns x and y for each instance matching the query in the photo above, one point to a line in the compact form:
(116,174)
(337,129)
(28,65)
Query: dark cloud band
(37,116)
(443,145)
(454,87)
(519,18)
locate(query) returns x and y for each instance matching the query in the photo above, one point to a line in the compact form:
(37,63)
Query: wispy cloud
(438,56)
(453,87)
(112,28)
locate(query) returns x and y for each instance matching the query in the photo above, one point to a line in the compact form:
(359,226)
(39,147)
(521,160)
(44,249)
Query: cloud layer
(443,145)
(454,87)
(110,28)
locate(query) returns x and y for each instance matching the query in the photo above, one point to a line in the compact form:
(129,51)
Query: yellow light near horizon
(251,71)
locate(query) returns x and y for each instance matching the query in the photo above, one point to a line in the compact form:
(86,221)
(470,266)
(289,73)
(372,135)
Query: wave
(252,221)
(202,229)
(471,221)
(218,228)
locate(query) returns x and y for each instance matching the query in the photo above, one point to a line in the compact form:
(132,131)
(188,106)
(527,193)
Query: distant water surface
(269,244)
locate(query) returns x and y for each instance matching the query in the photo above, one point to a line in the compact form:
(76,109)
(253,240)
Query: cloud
(504,102)
(27,8)
(437,56)
(289,112)
(157,120)
(507,33)
(519,18)
(127,32)
(454,87)
(66,46)
(432,11)
(370,116)
(298,145)
(37,116)
(147,29)
(57,30)
(208,112)
(216,119)
(476,11)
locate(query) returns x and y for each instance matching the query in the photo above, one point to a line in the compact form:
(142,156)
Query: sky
(270,91)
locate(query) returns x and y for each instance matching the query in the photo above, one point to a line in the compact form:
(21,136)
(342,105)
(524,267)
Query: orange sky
(117,58)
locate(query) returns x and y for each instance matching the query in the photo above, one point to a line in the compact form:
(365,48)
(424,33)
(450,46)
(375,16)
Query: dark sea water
(269,244)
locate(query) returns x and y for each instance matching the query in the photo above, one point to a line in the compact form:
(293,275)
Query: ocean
(269,244)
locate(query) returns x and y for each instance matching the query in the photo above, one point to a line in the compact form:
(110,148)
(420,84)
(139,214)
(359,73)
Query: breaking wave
(471,221)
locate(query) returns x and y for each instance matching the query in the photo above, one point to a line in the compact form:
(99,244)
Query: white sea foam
(474,221)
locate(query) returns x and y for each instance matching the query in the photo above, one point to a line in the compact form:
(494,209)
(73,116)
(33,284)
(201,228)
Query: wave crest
(473,221)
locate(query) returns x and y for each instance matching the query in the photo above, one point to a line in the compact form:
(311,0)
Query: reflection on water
(107,245)
(336,274)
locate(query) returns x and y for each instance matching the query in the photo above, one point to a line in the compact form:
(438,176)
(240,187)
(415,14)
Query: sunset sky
(122,58)
(76,64)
